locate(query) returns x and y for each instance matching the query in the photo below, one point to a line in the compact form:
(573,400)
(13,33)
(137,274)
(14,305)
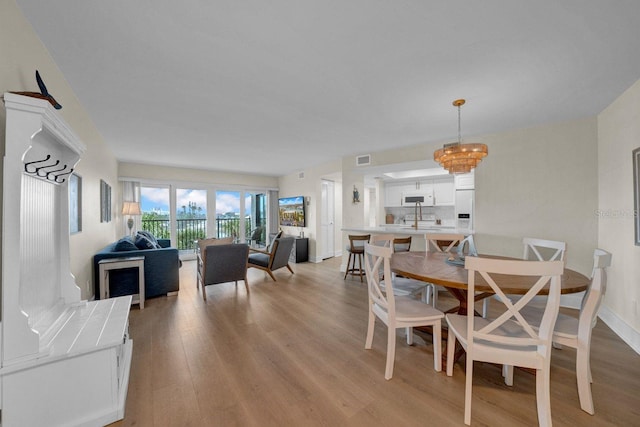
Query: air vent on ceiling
(300,175)
(363,160)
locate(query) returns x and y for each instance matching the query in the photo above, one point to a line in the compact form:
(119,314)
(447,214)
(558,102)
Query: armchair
(274,259)
(256,236)
(222,264)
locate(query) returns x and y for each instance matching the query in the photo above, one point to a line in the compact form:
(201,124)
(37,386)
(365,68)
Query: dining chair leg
(507,373)
(584,385)
(409,331)
(485,307)
(434,296)
(372,321)
(451,347)
(543,396)
(391,352)
(467,390)
(437,346)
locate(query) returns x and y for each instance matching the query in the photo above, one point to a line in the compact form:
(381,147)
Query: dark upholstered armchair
(276,258)
(222,264)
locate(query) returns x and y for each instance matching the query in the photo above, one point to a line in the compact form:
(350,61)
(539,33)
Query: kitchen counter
(402,229)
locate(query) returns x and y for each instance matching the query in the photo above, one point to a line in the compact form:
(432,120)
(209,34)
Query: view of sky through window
(154,199)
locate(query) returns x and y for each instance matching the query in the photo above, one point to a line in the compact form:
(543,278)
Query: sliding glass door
(255,208)
(228,214)
(156,216)
(191,217)
(185,215)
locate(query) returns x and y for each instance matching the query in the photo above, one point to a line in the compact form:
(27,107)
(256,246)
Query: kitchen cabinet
(393,193)
(444,192)
(465,181)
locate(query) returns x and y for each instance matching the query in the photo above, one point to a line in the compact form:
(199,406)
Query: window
(191,217)
(156,216)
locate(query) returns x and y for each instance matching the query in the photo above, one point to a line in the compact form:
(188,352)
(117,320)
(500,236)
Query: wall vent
(363,160)
(300,175)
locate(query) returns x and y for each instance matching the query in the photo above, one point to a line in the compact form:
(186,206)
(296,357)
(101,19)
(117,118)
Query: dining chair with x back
(395,311)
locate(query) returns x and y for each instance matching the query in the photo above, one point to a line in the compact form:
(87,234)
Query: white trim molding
(621,328)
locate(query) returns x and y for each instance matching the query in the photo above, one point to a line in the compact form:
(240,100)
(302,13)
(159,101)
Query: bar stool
(356,250)
(402,244)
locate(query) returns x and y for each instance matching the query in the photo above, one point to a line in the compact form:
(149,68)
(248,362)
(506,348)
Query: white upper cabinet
(465,181)
(393,193)
(430,189)
(444,192)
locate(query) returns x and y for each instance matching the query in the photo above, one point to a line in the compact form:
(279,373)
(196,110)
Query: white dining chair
(401,286)
(575,332)
(396,311)
(536,250)
(543,250)
(508,338)
(440,242)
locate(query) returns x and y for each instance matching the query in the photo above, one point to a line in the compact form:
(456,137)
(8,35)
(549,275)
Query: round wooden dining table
(432,267)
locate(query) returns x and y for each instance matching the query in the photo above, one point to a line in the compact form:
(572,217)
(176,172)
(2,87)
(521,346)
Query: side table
(106,265)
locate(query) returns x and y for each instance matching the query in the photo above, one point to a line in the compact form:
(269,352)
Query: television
(291,211)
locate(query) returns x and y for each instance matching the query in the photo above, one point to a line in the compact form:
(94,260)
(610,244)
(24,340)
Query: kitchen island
(418,242)
(402,229)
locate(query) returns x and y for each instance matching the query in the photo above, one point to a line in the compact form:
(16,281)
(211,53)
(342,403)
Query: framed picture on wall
(75,203)
(636,194)
(105,202)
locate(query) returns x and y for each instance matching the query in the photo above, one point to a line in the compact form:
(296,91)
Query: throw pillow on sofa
(125,244)
(150,237)
(143,242)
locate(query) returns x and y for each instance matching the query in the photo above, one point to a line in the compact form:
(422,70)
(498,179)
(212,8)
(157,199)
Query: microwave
(424,198)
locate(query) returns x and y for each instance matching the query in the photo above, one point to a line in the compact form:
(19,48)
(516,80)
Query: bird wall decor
(44,93)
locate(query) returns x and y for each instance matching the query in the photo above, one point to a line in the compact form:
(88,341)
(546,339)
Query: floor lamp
(131,208)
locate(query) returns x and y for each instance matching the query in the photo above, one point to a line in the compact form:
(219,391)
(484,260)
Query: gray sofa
(161,268)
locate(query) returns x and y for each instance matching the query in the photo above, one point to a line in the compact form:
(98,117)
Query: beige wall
(22,53)
(536,182)
(540,182)
(172,174)
(618,135)
(311,186)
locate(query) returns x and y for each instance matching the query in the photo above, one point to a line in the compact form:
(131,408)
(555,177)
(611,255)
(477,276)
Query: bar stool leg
(348,264)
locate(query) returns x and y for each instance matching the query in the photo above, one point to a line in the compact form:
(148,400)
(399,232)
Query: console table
(300,251)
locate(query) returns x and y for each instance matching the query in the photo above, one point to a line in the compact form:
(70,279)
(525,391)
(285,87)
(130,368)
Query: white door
(327,220)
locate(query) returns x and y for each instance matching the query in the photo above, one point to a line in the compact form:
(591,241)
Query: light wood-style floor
(291,353)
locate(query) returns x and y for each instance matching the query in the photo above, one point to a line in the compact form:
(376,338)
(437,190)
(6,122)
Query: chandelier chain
(459,132)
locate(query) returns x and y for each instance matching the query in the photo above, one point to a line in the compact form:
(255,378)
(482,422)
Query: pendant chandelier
(458,157)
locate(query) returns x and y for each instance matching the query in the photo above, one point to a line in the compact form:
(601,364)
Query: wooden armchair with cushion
(221,264)
(277,257)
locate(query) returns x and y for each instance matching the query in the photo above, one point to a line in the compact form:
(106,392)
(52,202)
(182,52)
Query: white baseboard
(621,328)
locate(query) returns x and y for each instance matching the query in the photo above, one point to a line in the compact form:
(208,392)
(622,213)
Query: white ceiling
(274,87)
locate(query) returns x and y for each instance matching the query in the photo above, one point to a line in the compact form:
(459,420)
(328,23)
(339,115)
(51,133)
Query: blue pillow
(125,244)
(148,236)
(143,243)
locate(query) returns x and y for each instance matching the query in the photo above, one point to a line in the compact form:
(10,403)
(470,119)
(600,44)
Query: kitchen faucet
(415,216)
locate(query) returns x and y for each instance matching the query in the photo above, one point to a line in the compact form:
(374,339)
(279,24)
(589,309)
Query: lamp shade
(131,208)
